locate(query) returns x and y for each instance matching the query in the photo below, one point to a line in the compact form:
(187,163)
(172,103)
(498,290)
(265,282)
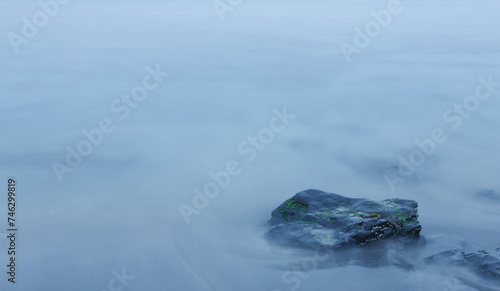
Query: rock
(481,262)
(313,218)
(488,196)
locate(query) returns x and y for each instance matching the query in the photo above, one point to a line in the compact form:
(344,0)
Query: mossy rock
(314,217)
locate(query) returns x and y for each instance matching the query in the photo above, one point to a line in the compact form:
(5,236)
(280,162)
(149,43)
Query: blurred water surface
(119,207)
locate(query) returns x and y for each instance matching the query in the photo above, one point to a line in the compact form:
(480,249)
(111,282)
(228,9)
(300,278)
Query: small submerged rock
(488,196)
(314,218)
(483,263)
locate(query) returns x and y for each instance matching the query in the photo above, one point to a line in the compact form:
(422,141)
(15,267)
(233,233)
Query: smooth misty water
(119,208)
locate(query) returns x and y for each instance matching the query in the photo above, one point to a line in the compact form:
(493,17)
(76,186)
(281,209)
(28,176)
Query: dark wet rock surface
(314,218)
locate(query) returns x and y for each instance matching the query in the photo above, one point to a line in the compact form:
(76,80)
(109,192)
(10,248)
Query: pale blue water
(119,207)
